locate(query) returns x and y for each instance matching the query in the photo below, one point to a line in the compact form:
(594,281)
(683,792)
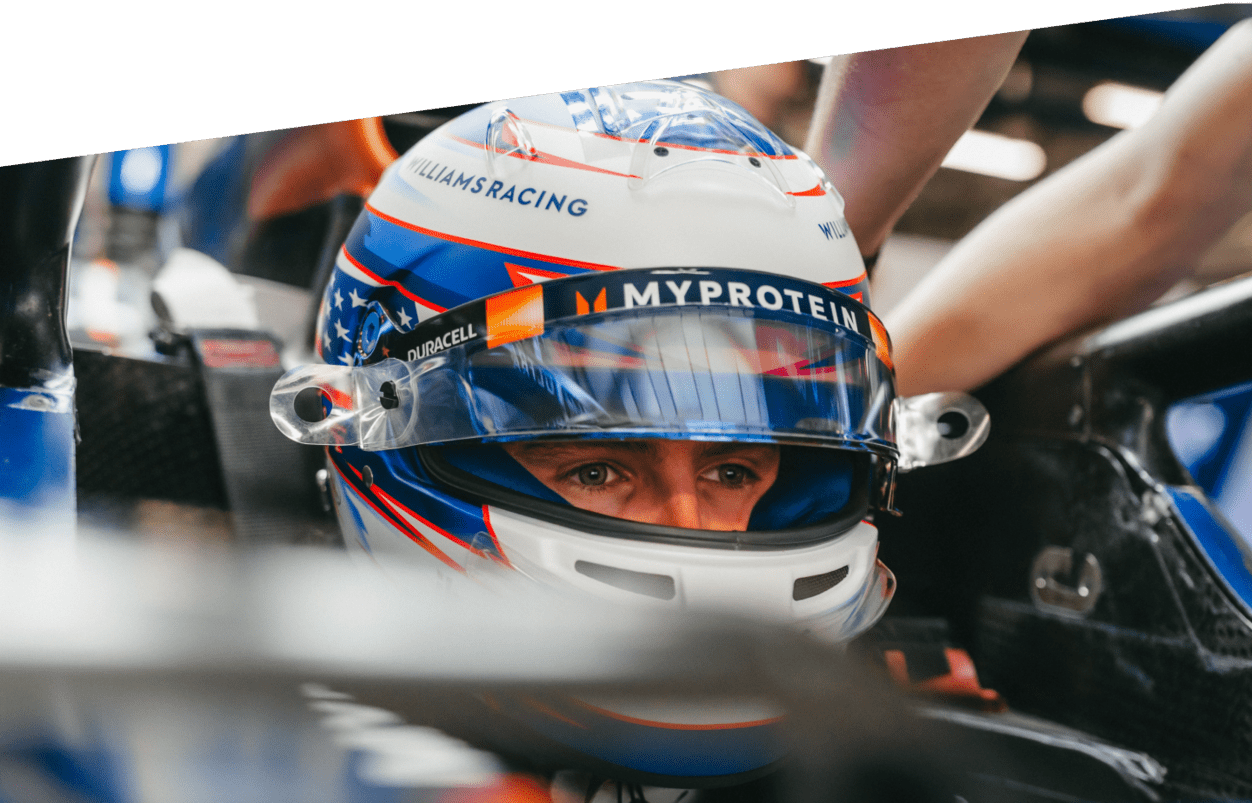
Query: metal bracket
(938,427)
(1049,593)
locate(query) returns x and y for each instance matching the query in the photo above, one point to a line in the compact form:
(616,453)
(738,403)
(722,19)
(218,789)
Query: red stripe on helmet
(403,290)
(491,533)
(544,157)
(845,282)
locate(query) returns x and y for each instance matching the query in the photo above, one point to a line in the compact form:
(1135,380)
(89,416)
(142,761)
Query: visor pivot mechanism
(373,328)
(937,427)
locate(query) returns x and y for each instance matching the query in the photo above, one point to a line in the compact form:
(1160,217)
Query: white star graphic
(404,318)
(325,339)
(338,299)
(340,331)
(346,359)
(357,301)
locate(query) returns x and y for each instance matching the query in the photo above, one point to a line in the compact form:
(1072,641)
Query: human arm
(1097,240)
(763,91)
(885,119)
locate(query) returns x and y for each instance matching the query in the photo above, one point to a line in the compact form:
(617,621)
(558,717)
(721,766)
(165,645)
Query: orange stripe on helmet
(882,342)
(514,315)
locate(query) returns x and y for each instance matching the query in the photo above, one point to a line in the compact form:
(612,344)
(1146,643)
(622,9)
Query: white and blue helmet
(630,262)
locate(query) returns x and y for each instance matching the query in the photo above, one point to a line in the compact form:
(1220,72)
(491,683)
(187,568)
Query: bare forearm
(1027,275)
(885,119)
(1095,241)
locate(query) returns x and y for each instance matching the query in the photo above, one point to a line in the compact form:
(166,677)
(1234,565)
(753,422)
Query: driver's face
(693,484)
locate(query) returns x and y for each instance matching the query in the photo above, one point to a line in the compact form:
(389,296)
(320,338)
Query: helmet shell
(647,175)
(524,190)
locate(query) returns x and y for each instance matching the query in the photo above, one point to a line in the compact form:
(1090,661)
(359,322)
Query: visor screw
(371,330)
(367,474)
(755,162)
(387,396)
(661,150)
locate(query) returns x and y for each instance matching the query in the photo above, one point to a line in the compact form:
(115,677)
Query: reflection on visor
(742,372)
(681,373)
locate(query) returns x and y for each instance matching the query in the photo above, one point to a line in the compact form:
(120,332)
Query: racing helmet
(631,263)
(635,264)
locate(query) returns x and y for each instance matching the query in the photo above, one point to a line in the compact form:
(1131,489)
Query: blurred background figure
(885,119)
(1096,241)
(1156,211)
(125,235)
(780,95)
(193,274)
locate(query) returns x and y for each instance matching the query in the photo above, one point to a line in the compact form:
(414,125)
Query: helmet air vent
(704,136)
(657,586)
(811,586)
(507,137)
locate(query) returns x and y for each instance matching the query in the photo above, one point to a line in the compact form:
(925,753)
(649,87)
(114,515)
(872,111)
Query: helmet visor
(690,371)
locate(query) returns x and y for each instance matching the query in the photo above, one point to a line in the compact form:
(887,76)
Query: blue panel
(138,179)
(397,473)
(1230,554)
(36,455)
(1211,437)
(82,773)
(214,205)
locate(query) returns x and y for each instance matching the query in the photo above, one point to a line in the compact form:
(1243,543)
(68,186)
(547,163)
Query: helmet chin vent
(813,585)
(657,586)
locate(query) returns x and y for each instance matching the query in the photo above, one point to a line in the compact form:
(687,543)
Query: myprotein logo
(600,304)
(704,292)
(525,311)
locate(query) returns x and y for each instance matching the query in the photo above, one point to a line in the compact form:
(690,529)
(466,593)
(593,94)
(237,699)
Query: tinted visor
(763,358)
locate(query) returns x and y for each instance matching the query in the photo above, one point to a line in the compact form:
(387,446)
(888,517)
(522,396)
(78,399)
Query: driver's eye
(732,474)
(594,474)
